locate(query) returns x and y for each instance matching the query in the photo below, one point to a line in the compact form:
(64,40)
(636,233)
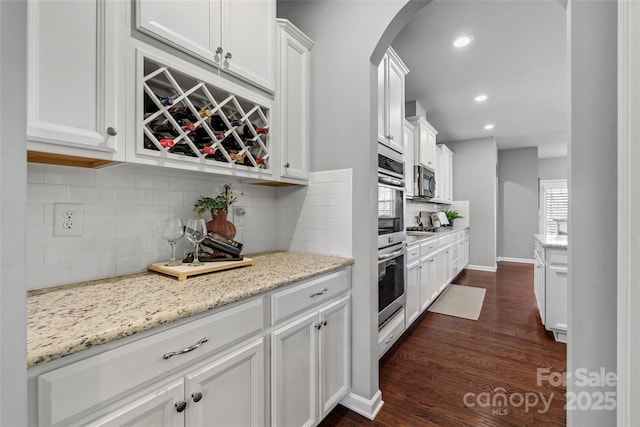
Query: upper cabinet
(292,94)
(238,37)
(425,145)
(391,73)
(409,141)
(75,76)
(444,174)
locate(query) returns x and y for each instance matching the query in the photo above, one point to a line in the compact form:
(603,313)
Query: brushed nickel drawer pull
(389,340)
(185,350)
(317,294)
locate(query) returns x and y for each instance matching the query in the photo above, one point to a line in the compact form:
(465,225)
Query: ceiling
(517,57)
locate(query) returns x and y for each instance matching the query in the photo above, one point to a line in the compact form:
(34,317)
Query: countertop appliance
(425,182)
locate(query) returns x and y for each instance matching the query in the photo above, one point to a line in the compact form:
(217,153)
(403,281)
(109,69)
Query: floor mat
(460,301)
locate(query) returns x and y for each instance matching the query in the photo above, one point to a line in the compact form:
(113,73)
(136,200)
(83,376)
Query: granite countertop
(71,318)
(412,239)
(558,242)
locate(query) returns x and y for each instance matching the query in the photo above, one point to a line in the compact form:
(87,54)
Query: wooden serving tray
(184,271)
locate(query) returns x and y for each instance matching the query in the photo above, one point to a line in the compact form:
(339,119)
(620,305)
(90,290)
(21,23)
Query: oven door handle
(392,254)
(394,182)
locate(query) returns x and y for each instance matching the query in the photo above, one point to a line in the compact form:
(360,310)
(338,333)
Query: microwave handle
(392,254)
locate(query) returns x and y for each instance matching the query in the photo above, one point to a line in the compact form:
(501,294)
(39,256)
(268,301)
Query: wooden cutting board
(181,272)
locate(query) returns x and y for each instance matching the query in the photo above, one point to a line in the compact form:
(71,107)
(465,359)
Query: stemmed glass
(196,232)
(173,232)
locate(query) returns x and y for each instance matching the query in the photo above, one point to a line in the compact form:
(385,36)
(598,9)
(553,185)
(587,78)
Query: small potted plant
(451,215)
(219,208)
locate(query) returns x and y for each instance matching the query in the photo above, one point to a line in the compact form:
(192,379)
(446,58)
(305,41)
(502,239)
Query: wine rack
(185,117)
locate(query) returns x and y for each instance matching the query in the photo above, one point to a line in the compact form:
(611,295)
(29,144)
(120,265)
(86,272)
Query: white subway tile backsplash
(92,269)
(35,214)
(92,195)
(35,256)
(48,275)
(68,175)
(152,182)
(35,173)
(47,193)
(115,179)
(134,196)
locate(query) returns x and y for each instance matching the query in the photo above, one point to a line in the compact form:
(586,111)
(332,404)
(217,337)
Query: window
(554,206)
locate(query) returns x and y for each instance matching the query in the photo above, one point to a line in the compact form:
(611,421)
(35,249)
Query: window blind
(556,207)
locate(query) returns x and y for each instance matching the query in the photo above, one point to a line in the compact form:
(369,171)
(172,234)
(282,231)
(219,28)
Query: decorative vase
(220,225)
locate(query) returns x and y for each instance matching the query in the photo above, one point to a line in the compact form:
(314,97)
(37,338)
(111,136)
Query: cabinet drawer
(83,385)
(427,248)
(445,240)
(298,298)
(413,253)
(390,333)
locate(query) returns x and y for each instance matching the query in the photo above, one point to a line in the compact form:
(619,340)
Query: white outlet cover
(67,219)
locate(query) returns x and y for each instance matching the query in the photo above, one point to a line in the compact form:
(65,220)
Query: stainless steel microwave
(424,182)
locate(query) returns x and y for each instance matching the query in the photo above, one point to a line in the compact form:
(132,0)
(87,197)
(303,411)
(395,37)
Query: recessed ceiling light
(462,41)
(481,98)
(489,126)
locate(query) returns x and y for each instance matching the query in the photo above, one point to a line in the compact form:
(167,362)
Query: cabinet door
(229,391)
(538,285)
(248,35)
(190,25)
(73,67)
(409,142)
(444,270)
(556,297)
(157,409)
(395,106)
(382,99)
(413,296)
(429,288)
(334,351)
(293,373)
(294,107)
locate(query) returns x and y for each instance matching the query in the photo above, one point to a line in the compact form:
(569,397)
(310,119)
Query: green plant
(221,202)
(451,215)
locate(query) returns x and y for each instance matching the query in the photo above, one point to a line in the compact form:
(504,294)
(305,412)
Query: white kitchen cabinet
(413,284)
(463,251)
(444,174)
(425,143)
(292,93)
(236,36)
(391,74)
(75,104)
(551,288)
(310,365)
(429,290)
(84,388)
(391,332)
(407,156)
(227,390)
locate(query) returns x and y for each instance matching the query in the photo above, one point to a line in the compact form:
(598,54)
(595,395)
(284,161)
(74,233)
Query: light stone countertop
(71,318)
(558,242)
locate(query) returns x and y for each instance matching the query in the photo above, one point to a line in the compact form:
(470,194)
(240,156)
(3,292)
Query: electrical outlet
(67,219)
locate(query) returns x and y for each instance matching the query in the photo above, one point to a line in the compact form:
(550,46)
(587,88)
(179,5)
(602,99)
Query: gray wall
(593,147)
(348,35)
(474,179)
(517,202)
(13,206)
(553,168)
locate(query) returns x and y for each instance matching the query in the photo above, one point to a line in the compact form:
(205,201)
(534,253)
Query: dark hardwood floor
(444,361)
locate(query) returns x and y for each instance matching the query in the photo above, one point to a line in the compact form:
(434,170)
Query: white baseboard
(521,260)
(482,268)
(366,407)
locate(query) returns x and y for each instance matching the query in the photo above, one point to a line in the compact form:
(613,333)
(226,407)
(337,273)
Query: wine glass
(173,232)
(196,232)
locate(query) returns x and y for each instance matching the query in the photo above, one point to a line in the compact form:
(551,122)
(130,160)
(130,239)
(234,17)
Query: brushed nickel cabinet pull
(185,350)
(322,292)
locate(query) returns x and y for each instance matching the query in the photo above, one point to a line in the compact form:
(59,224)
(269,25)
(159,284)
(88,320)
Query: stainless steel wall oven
(391,237)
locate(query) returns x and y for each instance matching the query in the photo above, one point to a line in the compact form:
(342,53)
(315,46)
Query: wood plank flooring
(492,361)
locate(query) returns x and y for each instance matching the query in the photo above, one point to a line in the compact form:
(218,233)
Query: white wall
(553,168)
(517,202)
(474,171)
(13,357)
(124,209)
(591,340)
